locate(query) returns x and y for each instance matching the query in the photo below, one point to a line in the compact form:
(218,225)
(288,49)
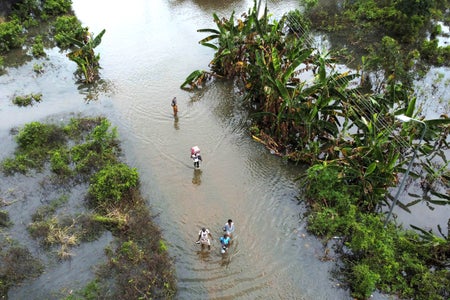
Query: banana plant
(85,57)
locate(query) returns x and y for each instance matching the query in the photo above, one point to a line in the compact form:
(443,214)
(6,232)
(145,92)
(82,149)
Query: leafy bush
(113,183)
(11,36)
(364,281)
(38,47)
(21,163)
(60,162)
(57,7)
(66,28)
(39,137)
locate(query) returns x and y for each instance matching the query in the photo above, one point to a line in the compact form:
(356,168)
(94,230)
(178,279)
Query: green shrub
(40,137)
(38,68)
(60,162)
(38,47)
(364,281)
(21,163)
(57,7)
(11,36)
(27,99)
(113,183)
(68,27)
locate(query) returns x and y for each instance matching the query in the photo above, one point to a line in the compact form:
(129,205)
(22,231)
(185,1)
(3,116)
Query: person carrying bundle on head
(196,157)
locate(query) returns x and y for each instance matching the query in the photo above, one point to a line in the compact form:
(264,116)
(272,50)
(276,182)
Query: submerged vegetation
(27,100)
(65,31)
(410,27)
(349,135)
(86,152)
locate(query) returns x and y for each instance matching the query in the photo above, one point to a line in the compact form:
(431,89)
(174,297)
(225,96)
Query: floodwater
(148,50)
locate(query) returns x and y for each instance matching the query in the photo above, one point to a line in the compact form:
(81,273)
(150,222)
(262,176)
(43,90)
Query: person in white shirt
(204,238)
(229,228)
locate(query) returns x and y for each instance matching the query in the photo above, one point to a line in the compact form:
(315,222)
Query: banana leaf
(192,77)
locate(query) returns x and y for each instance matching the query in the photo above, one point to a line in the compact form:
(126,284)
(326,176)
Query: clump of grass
(27,100)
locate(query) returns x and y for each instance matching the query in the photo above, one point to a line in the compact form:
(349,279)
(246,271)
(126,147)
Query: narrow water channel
(148,50)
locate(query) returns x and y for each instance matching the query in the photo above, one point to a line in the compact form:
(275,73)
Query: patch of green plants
(406,22)
(11,36)
(38,68)
(390,259)
(60,162)
(27,100)
(35,141)
(113,184)
(142,249)
(37,49)
(67,28)
(91,291)
(56,7)
(97,146)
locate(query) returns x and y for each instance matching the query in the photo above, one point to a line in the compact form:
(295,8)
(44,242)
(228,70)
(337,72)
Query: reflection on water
(197,178)
(175,123)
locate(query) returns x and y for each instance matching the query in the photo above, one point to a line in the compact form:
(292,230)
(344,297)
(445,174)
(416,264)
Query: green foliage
(60,162)
(11,36)
(56,7)
(364,281)
(162,246)
(27,100)
(79,128)
(113,184)
(99,149)
(21,164)
(131,252)
(39,137)
(35,141)
(38,47)
(67,28)
(38,68)
(85,57)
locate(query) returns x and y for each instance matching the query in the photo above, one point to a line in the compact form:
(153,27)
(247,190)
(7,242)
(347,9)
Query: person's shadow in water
(175,123)
(197,178)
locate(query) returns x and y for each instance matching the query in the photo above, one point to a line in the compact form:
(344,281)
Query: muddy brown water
(148,50)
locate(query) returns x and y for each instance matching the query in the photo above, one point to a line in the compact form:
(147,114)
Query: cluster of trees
(306,110)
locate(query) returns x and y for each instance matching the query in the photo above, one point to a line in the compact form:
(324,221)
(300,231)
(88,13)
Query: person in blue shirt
(229,228)
(225,242)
